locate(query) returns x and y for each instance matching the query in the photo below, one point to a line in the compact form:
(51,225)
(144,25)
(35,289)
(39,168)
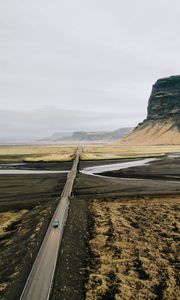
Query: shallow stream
(94,170)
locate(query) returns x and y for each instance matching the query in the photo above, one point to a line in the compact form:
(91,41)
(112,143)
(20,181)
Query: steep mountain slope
(162,125)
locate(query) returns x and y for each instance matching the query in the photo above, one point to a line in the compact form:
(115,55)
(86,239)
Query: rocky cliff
(164,102)
(162,125)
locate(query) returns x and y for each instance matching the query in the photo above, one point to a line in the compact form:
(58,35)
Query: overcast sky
(83,64)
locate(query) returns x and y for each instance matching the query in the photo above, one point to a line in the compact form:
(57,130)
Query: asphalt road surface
(40,280)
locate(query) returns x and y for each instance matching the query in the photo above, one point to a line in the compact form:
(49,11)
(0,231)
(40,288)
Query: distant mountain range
(89,136)
(162,125)
(68,138)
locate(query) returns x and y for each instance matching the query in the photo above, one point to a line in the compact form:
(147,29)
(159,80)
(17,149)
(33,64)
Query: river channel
(94,170)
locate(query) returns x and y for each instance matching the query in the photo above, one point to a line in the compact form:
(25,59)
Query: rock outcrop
(164,102)
(162,125)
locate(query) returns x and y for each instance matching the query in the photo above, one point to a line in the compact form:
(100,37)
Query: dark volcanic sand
(74,257)
(20,190)
(166,168)
(70,272)
(74,254)
(18,249)
(53,166)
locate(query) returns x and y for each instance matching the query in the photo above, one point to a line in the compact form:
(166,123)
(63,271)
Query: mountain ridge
(90,136)
(162,124)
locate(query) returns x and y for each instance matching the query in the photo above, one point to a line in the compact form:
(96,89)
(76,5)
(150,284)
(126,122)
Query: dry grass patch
(120,151)
(135,250)
(153,133)
(21,232)
(37,153)
(7,218)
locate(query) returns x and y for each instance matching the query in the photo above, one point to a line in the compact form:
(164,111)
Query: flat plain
(27,203)
(122,234)
(36,153)
(134,249)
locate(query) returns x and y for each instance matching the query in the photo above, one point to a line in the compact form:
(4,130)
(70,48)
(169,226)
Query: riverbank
(77,258)
(134,249)
(29,201)
(79,270)
(167,168)
(109,245)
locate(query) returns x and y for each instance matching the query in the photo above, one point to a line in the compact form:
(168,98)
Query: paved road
(39,283)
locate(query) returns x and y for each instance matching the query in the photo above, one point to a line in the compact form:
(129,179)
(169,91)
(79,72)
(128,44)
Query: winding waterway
(97,170)
(14,169)
(94,170)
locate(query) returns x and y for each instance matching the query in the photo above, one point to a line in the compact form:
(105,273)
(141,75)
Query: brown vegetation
(121,149)
(134,250)
(20,238)
(36,153)
(7,218)
(27,203)
(153,133)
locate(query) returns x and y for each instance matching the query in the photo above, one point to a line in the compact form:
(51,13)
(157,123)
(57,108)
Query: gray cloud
(95,56)
(42,122)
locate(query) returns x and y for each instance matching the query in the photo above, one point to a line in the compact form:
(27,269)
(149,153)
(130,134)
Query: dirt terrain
(19,244)
(27,203)
(148,214)
(88,186)
(162,168)
(104,212)
(134,249)
(71,271)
